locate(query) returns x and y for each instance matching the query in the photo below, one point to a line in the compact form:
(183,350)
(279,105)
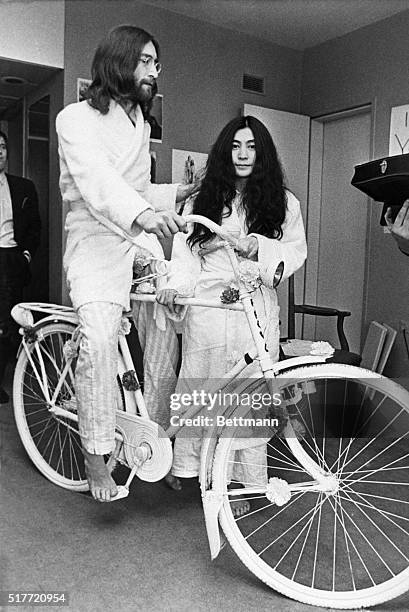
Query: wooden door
(337,224)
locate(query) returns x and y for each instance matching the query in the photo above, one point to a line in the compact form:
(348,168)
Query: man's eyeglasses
(148,62)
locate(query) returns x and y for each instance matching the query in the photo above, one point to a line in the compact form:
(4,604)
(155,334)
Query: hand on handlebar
(166,297)
(247,247)
(162,224)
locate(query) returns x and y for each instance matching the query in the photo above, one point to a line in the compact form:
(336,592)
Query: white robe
(214,340)
(105,172)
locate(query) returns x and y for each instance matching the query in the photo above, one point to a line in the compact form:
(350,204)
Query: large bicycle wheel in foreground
(346,546)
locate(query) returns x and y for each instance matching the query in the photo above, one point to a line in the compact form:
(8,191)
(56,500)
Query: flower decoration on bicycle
(249,274)
(146,269)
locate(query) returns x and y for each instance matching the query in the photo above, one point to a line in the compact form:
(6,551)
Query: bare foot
(173,482)
(101,485)
(239,506)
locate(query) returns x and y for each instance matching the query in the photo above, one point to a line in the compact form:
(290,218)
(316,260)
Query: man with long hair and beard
(243,190)
(113,207)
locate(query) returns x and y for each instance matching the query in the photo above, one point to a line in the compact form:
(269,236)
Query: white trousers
(95,375)
(96,387)
(160,358)
(247,466)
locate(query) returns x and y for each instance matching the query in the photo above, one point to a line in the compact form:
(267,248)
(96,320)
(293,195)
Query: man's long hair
(264,198)
(113,68)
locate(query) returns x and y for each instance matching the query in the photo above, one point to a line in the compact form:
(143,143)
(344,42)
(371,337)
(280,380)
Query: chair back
(316,311)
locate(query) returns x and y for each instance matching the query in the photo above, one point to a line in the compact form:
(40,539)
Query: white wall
(33,31)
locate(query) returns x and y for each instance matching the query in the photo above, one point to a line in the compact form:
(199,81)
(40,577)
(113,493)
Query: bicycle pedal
(122,492)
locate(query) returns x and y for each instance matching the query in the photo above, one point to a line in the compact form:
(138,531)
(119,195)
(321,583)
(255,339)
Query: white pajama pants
(160,358)
(247,466)
(95,376)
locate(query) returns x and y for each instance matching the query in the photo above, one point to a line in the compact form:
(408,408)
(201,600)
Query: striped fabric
(160,358)
(95,376)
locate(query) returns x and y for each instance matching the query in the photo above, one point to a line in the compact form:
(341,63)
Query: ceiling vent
(252,83)
(13,80)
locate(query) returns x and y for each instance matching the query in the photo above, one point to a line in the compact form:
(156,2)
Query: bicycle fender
(212,502)
(73,319)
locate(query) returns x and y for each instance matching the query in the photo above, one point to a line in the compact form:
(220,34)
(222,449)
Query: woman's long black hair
(114,65)
(264,198)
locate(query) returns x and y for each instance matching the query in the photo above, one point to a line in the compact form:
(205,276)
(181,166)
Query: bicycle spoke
(350,540)
(314,448)
(373,471)
(313,511)
(339,517)
(349,516)
(303,548)
(385,513)
(373,440)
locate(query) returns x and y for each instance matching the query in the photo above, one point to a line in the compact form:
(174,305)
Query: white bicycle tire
(71,453)
(352,599)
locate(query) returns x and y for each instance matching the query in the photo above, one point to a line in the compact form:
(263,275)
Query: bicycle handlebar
(213,227)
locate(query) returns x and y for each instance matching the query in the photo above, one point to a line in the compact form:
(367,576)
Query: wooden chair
(378,343)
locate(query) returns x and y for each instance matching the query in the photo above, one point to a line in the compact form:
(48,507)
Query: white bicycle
(330,526)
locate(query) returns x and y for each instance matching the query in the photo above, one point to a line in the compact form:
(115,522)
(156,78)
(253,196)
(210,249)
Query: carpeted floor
(148,552)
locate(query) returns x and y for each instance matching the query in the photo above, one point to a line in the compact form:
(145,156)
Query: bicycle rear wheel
(52,441)
(347,546)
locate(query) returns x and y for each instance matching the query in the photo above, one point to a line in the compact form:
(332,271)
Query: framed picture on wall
(82,86)
(186,165)
(156,119)
(399,130)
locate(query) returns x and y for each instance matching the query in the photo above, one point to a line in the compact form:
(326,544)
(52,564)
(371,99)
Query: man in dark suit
(19,239)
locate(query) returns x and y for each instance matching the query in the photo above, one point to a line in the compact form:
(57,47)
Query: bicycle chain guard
(137,430)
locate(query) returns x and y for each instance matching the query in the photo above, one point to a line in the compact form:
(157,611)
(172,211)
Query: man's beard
(143,94)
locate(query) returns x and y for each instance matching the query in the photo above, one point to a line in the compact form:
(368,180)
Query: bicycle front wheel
(342,539)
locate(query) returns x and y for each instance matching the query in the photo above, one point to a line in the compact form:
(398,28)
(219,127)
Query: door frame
(314,209)
(54,88)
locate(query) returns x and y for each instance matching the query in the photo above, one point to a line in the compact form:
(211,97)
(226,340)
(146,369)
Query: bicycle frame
(134,401)
(328,524)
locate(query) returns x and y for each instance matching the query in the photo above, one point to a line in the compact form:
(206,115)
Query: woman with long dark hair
(243,190)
